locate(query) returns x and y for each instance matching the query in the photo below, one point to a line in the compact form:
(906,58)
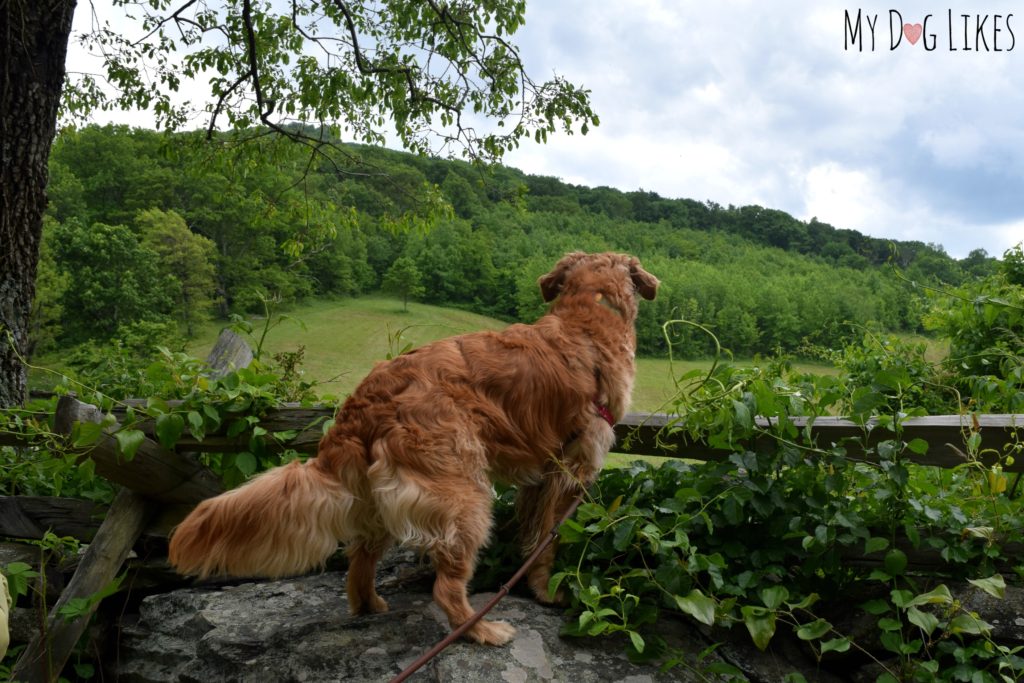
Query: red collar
(604,412)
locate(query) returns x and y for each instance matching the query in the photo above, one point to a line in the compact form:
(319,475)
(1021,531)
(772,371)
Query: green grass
(344,338)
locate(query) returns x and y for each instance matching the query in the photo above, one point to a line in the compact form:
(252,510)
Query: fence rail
(162,484)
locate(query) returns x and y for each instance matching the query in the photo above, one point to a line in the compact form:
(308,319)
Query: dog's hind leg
(363,555)
(468,527)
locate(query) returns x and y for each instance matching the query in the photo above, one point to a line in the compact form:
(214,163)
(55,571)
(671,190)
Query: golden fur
(412,453)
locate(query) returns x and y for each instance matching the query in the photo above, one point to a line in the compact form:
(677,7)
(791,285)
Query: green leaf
(590,511)
(875,544)
(571,532)
(889,624)
(939,595)
(625,531)
(698,606)
(919,446)
(128,442)
(86,434)
(196,425)
(237,426)
(743,417)
(835,645)
(760,622)
(555,581)
(774,596)
(926,621)
(993,585)
(876,607)
(970,624)
(637,640)
(19,576)
(895,562)
(169,427)
(246,463)
(814,630)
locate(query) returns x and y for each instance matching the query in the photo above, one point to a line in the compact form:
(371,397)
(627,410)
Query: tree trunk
(33,47)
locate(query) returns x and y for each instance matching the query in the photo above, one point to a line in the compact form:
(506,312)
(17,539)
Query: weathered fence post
(231,352)
(155,473)
(44,658)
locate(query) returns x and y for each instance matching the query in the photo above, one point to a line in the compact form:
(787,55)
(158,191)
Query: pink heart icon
(912,32)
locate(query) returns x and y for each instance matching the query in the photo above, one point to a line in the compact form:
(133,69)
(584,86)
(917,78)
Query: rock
(1006,615)
(300,630)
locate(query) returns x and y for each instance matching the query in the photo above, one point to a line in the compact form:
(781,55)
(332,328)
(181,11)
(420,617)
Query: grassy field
(343,339)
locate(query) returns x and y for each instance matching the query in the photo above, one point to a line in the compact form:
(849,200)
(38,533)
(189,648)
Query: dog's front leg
(539,507)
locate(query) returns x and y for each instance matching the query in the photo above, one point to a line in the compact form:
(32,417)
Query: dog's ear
(551,284)
(644,282)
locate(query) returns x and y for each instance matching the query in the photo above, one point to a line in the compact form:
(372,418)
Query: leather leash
(457,633)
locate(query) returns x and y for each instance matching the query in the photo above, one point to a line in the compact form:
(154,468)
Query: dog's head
(617,278)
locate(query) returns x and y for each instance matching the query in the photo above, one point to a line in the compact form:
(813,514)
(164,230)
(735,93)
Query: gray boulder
(300,630)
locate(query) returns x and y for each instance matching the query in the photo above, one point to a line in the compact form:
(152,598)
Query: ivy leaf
(993,585)
(624,533)
(128,442)
(589,511)
(895,562)
(698,606)
(86,433)
(939,595)
(246,463)
(760,622)
(835,645)
(875,544)
(196,425)
(774,596)
(571,531)
(926,621)
(814,630)
(637,640)
(919,446)
(970,624)
(743,417)
(169,427)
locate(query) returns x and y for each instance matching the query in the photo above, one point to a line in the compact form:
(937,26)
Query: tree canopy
(435,76)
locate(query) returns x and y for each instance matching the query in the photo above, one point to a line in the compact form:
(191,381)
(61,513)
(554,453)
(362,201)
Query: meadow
(343,338)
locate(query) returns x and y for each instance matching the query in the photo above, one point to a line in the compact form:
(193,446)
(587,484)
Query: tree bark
(33,47)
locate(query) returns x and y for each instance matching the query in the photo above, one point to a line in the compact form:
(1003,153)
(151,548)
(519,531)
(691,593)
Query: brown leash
(457,633)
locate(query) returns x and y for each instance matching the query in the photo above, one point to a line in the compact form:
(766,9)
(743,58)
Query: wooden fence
(160,485)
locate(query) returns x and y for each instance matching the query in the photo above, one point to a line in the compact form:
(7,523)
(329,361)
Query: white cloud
(753,102)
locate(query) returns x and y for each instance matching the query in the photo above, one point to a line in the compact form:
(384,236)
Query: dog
(414,449)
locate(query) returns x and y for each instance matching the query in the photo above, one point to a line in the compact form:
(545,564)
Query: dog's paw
(559,599)
(375,605)
(491,632)
(378,605)
(539,585)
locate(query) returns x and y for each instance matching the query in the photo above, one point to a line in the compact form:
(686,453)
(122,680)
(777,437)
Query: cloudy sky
(771,103)
(752,102)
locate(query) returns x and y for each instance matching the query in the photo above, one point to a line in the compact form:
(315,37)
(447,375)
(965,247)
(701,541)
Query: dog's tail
(285,521)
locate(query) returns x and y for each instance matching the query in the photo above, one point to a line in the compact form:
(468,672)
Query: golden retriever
(414,449)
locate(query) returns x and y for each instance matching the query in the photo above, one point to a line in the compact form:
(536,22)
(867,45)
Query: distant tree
(186,264)
(307,70)
(47,308)
(978,263)
(113,280)
(1012,265)
(404,279)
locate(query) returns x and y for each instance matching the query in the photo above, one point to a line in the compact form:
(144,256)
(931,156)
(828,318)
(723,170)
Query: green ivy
(763,538)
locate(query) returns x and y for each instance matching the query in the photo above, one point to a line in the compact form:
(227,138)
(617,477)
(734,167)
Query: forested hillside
(147,236)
